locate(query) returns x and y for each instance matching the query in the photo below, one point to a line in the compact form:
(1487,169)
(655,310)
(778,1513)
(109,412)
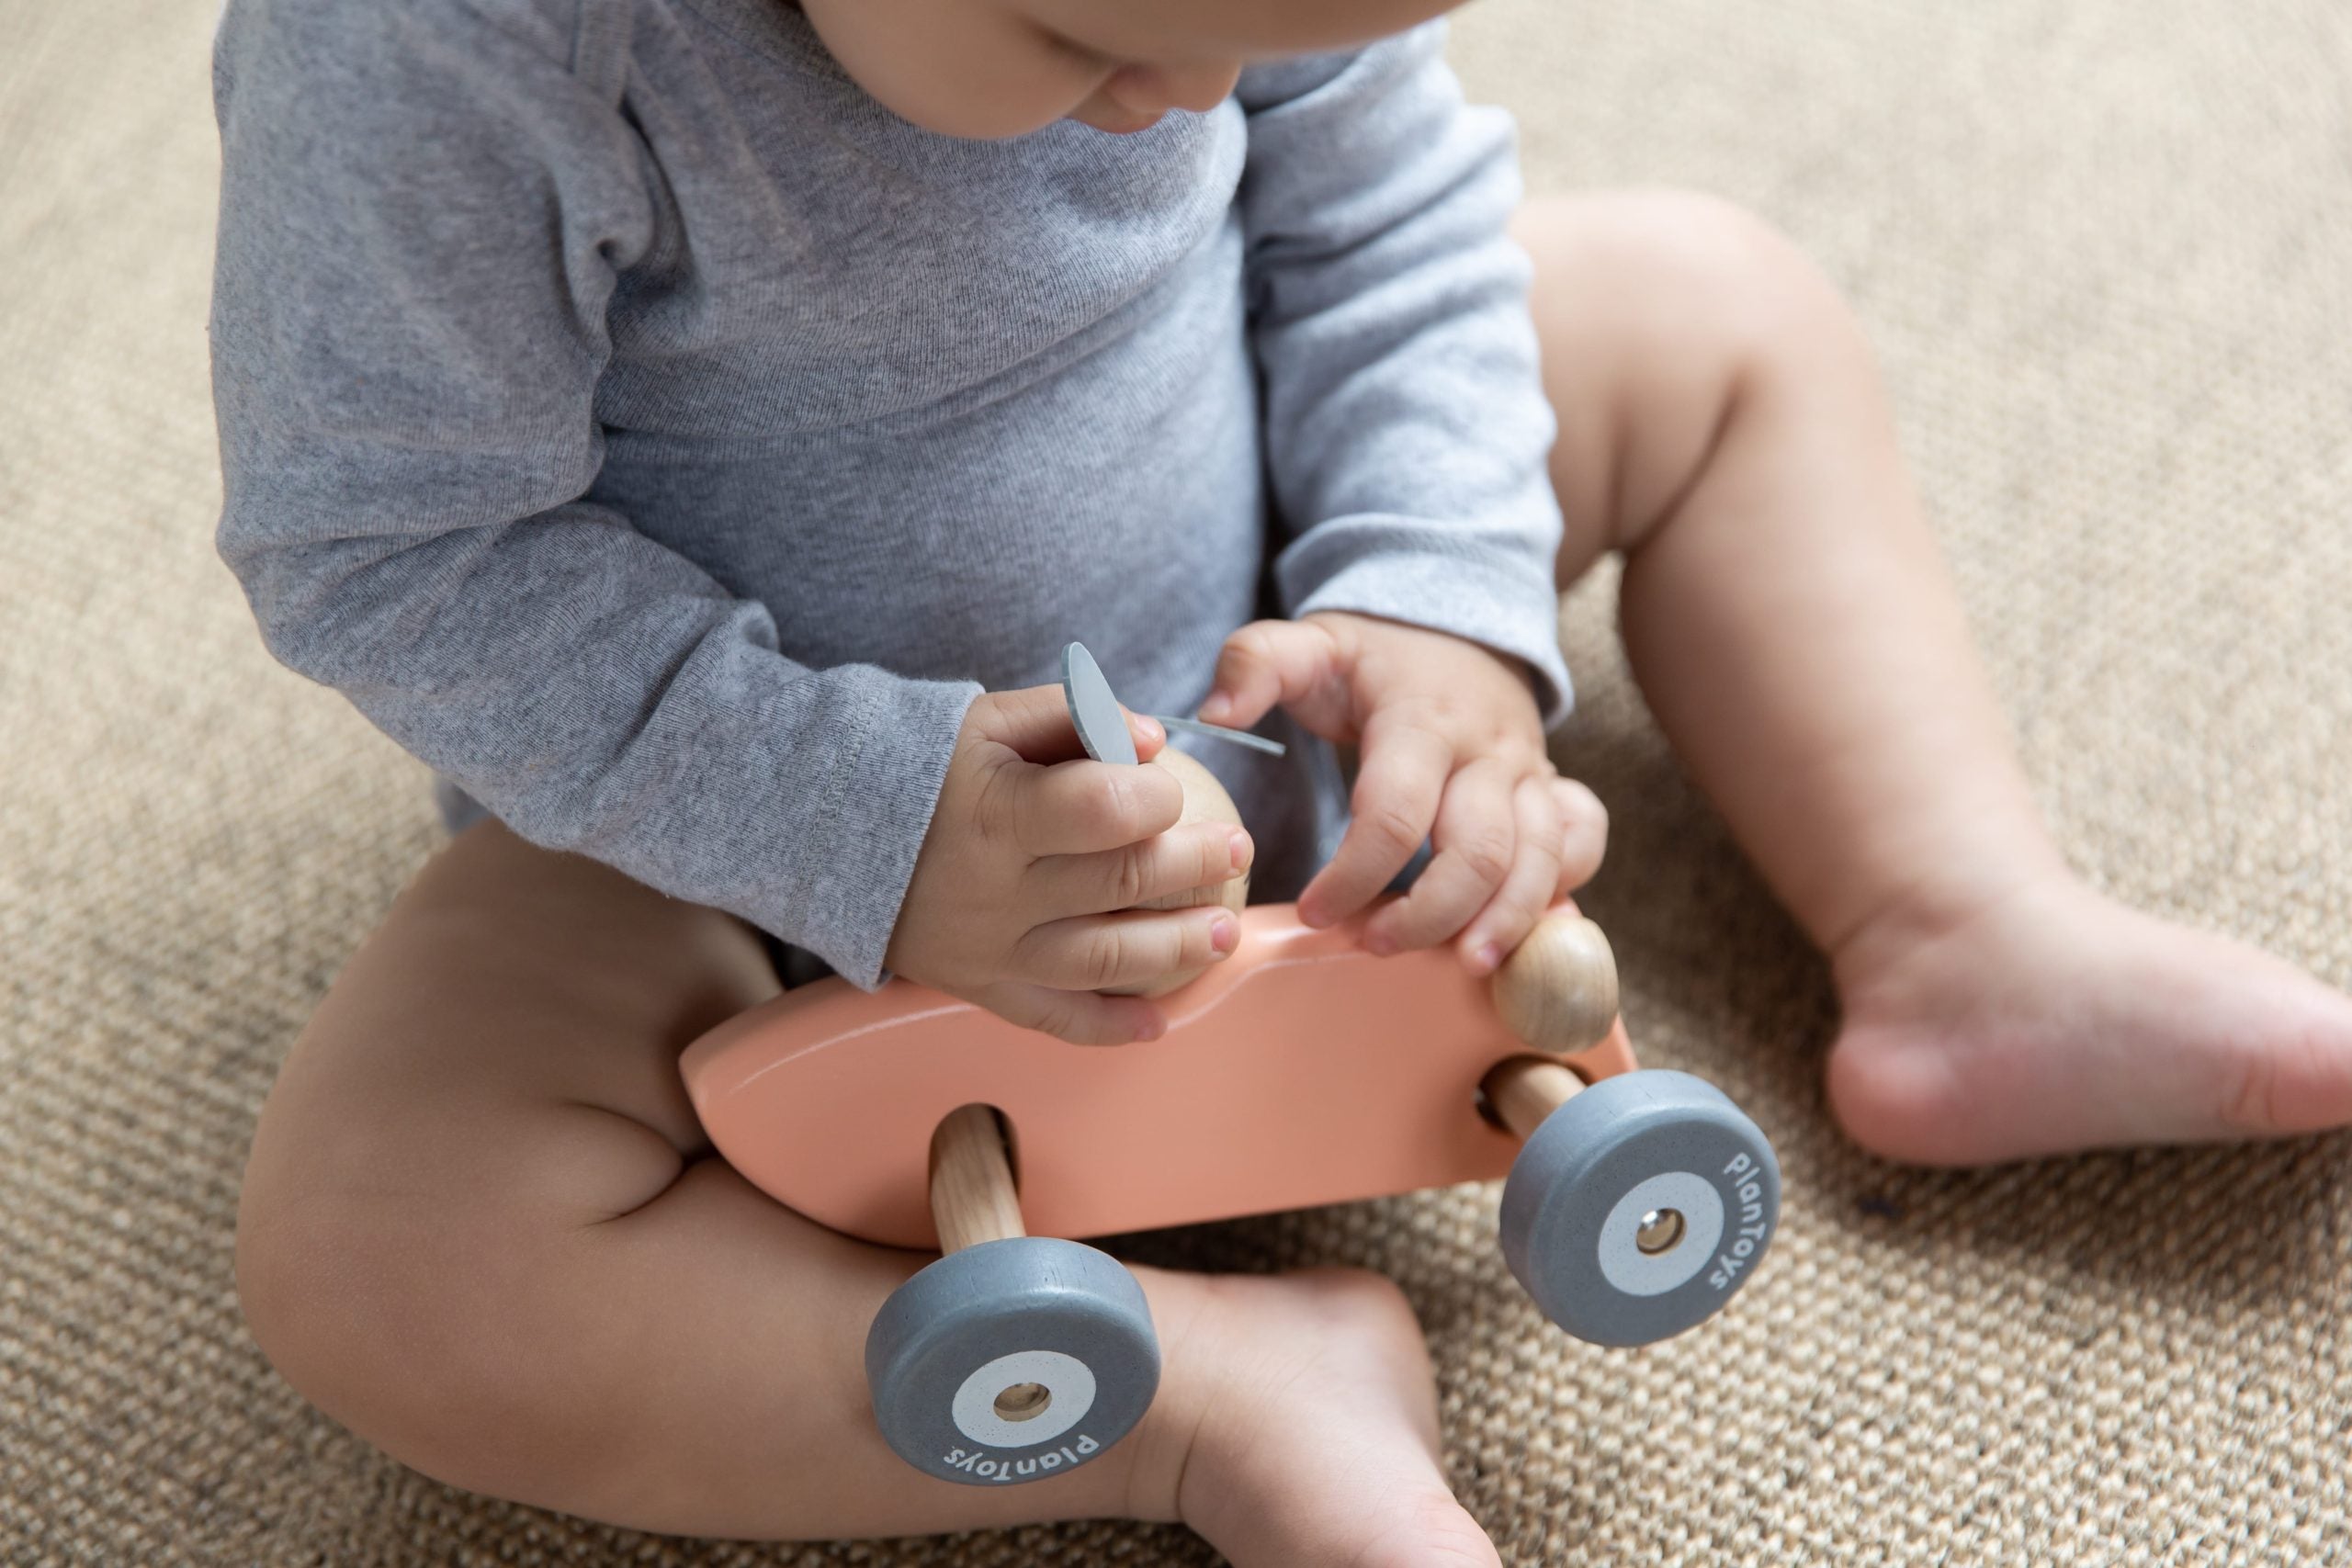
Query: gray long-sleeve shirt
(666,442)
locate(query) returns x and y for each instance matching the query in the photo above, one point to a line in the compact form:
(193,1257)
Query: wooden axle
(972,1196)
(973,1200)
(1525,1089)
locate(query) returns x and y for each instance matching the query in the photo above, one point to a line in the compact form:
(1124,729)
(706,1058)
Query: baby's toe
(2293,1067)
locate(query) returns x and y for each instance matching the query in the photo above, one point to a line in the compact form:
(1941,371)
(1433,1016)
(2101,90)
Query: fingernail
(1154,1030)
(1488,957)
(1150,727)
(1238,846)
(1225,933)
(1216,708)
(1379,944)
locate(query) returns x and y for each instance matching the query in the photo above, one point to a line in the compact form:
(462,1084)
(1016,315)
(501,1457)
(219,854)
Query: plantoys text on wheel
(1301,1070)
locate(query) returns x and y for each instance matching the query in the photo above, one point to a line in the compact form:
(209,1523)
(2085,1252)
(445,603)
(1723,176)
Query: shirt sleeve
(1407,429)
(427,207)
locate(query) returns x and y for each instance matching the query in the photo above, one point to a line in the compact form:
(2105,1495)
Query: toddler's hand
(1451,748)
(1021,895)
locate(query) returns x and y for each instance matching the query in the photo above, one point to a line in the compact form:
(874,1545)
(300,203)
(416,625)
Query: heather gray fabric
(665,442)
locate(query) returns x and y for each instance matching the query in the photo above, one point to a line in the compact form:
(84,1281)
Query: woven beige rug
(2106,248)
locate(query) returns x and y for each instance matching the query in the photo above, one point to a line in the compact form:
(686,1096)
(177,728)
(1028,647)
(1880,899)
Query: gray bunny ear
(1102,728)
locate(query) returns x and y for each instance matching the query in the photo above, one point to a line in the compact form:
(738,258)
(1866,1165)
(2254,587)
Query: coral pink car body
(1301,1070)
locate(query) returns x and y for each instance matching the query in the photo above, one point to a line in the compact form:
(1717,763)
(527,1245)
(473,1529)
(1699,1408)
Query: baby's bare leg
(1793,629)
(1783,604)
(480,1228)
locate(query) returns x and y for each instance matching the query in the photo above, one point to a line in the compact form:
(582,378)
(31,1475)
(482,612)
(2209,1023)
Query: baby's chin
(986,119)
(1099,114)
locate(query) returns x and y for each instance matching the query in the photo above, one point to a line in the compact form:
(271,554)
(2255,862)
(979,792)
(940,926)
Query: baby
(693,427)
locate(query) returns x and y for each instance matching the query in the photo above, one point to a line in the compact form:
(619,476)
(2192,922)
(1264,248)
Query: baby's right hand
(1021,898)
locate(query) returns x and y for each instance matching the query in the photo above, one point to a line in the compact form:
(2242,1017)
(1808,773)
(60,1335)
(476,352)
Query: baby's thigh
(498,1058)
(1655,310)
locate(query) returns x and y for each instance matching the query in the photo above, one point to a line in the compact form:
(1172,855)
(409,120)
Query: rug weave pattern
(2104,249)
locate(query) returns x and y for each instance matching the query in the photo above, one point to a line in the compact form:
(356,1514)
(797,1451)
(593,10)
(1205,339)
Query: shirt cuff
(1443,589)
(889,766)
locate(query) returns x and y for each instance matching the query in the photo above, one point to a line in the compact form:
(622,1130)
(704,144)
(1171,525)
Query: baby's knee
(1715,277)
(1778,313)
(348,1300)
(405,1311)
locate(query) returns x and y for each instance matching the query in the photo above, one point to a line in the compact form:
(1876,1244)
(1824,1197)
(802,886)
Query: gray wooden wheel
(1012,1360)
(1640,1207)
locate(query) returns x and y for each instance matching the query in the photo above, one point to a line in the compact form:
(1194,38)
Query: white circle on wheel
(1069,1381)
(1637,1273)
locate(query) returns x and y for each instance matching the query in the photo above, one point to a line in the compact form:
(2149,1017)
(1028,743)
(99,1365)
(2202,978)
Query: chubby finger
(1584,835)
(1190,855)
(1151,736)
(1080,1016)
(1268,662)
(1395,799)
(1530,888)
(1081,808)
(1034,723)
(1473,839)
(1092,952)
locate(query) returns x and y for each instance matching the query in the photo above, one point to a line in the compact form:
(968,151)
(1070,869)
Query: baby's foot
(1311,1424)
(2052,1019)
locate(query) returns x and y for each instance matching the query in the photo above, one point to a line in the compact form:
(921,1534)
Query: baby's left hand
(1451,748)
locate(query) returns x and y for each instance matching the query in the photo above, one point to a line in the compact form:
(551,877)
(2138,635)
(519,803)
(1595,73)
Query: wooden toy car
(1300,1070)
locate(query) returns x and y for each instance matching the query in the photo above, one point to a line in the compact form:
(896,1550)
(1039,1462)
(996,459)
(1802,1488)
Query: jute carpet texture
(2104,249)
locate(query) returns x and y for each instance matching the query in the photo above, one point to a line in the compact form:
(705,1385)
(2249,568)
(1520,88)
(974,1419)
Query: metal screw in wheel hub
(1023,1402)
(1661,1230)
